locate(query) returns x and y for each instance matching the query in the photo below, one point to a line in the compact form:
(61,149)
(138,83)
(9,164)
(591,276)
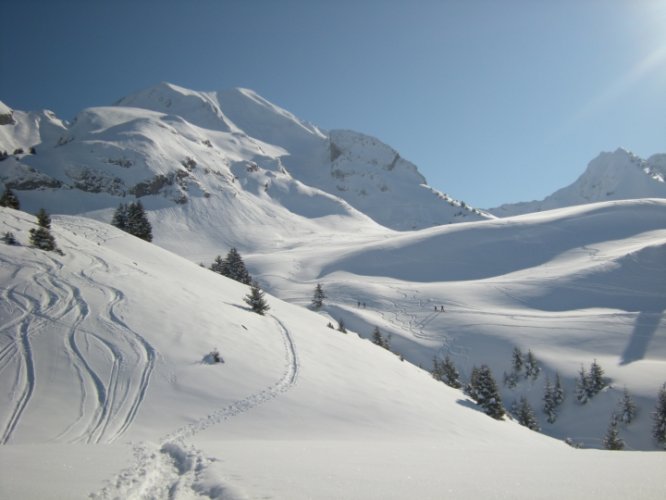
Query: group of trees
(232,266)
(522,366)
(445,371)
(553,397)
(132,219)
(590,384)
(482,388)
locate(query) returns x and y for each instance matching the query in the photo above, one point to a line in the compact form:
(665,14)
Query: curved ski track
(172,467)
(105,399)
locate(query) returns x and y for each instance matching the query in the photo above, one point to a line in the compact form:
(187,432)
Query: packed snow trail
(173,469)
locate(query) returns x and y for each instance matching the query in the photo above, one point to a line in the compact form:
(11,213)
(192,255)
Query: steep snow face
(620,175)
(25,130)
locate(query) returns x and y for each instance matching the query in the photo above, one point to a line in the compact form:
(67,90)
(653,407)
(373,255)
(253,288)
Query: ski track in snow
(109,401)
(172,468)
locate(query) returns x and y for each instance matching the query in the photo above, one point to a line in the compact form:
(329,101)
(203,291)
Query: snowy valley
(108,383)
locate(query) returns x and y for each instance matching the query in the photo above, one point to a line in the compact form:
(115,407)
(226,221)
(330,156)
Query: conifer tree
(380,340)
(597,381)
(233,267)
(659,417)
(9,199)
(612,439)
(525,415)
(43,219)
(341,326)
(549,402)
(119,219)
(517,360)
(628,409)
(217,265)
(9,238)
(137,222)
(255,299)
(318,297)
(488,394)
(450,375)
(582,386)
(559,390)
(532,368)
(472,387)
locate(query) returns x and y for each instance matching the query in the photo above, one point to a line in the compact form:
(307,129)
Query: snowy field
(109,392)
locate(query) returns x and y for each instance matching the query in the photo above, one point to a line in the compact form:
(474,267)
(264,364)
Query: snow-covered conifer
(525,415)
(218,265)
(9,238)
(597,381)
(559,390)
(549,402)
(341,326)
(582,386)
(612,439)
(659,417)
(488,394)
(532,368)
(517,360)
(628,408)
(318,297)
(233,267)
(255,299)
(137,222)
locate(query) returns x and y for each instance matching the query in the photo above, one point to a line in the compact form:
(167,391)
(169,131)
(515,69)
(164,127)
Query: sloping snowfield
(108,389)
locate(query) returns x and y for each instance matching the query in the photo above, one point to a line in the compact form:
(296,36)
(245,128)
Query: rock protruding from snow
(620,175)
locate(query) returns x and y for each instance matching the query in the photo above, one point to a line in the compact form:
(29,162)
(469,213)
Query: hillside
(107,345)
(619,175)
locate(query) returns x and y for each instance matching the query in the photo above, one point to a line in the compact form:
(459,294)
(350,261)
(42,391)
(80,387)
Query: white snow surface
(108,389)
(619,175)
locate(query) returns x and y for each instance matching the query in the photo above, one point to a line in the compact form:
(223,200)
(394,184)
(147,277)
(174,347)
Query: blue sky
(494,101)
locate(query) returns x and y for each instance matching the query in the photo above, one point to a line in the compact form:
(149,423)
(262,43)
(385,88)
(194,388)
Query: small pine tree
(318,297)
(43,219)
(525,415)
(451,377)
(517,360)
(341,326)
(9,238)
(488,394)
(119,219)
(255,299)
(137,222)
(549,402)
(612,439)
(380,340)
(597,381)
(511,379)
(559,390)
(659,417)
(43,239)
(9,200)
(218,265)
(532,369)
(472,387)
(628,409)
(233,267)
(582,386)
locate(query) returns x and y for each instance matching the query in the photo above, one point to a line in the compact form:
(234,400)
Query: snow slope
(106,346)
(620,175)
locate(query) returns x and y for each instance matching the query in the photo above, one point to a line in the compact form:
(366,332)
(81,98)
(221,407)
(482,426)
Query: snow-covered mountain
(620,175)
(171,146)
(108,390)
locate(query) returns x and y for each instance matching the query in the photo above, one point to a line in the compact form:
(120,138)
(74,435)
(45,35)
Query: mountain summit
(619,175)
(172,146)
